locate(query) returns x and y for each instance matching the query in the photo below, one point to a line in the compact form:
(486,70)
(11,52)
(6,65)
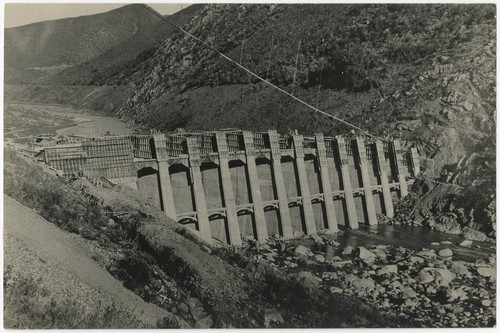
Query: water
(414,238)
(91,125)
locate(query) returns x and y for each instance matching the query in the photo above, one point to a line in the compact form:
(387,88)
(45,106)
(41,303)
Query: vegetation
(27,305)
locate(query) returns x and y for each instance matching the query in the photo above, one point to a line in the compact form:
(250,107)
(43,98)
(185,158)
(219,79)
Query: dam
(230,185)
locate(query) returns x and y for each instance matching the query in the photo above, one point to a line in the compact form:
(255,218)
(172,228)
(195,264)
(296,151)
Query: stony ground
(427,287)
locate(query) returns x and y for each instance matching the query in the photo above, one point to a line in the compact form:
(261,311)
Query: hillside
(131,51)
(41,47)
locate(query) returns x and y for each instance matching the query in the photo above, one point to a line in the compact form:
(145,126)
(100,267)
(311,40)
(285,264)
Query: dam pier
(232,184)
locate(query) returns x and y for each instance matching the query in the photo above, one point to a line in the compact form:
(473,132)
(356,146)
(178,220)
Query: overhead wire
(315,109)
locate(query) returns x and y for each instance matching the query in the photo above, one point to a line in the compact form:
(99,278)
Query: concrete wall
(228,186)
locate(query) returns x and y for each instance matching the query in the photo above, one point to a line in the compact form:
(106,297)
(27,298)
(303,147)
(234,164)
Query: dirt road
(62,262)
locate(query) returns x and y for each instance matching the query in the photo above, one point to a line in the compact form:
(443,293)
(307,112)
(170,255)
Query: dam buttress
(229,185)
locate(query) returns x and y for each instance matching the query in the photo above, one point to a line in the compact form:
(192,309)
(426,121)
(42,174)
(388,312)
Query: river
(415,238)
(92,125)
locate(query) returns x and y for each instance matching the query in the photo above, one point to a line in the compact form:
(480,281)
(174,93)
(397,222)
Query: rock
(298,234)
(455,294)
(205,322)
(366,284)
(319,258)
(347,250)
(473,235)
(468,106)
(340,263)
(269,256)
(459,268)
(443,276)
(307,279)
(445,253)
(329,251)
(272,316)
(424,277)
(486,271)
(336,290)
(486,302)
(379,253)
(411,303)
(388,269)
(395,285)
(446,242)
(302,250)
(466,243)
(426,253)
(415,259)
(317,239)
(364,254)
(409,293)
(435,243)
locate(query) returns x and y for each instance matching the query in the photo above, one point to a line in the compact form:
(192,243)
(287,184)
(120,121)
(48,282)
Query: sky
(17,14)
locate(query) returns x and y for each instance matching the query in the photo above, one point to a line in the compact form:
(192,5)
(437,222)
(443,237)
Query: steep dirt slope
(38,248)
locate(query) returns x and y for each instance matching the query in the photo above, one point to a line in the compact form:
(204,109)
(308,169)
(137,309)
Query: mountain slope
(378,65)
(118,59)
(42,48)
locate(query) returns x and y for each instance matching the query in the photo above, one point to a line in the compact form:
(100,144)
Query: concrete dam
(229,185)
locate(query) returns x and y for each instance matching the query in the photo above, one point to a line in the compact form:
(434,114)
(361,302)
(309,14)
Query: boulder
(443,276)
(379,253)
(307,279)
(424,276)
(366,284)
(338,264)
(272,316)
(319,258)
(317,239)
(415,259)
(445,253)
(365,254)
(486,302)
(411,303)
(426,253)
(388,269)
(486,271)
(454,294)
(329,251)
(473,235)
(336,290)
(409,293)
(347,250)
(302,250)
(466,243)
(459,268)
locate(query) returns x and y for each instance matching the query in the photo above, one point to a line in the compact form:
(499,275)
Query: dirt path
(65,255)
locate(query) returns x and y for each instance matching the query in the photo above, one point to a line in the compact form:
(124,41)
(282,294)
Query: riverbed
(415,238)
